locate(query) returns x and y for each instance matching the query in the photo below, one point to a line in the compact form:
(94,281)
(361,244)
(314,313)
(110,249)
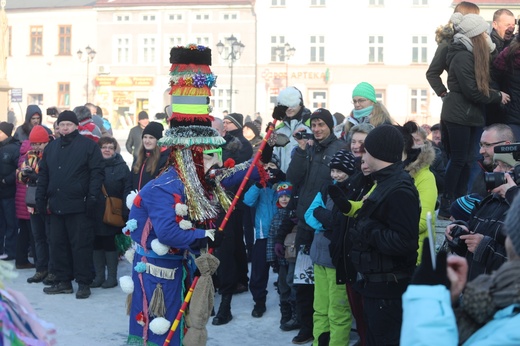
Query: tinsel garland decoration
(192,79)
(187,136)
(199,206)
(180,68)
(179,90)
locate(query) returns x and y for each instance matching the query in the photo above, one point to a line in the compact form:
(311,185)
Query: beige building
(323,47)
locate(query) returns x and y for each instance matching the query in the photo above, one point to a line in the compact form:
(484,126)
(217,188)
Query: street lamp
(285,53)
(235,49)
(91,53)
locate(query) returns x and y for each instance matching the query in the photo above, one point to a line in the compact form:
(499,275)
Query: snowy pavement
(102,320)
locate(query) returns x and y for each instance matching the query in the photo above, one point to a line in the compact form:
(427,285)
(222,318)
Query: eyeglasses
(488,145)
(225,122)
(359,101)
(107,147)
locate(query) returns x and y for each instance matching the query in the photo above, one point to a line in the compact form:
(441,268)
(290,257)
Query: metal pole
(232,59)
(88,63)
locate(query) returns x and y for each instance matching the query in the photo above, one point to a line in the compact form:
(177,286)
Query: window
(175,17)
(122,18)
(35,99)
(63,94)
(202,16)
(419,102)
(419,49)
(277,2)
(380,96)
(420,2)
(148,50)
(375,49)
(36,40)
(317,48)
(122,47)
(221,98)
(376,2)
(202,40)
(230,16)
(276,43)
(64,39)
(319,99)
(148,18)
(317,2)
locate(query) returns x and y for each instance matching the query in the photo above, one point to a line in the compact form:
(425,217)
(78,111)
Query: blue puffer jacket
(428,319)
(264,200)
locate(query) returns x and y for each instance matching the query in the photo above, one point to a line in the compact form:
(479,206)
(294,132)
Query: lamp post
(91,54)
(235,49)
(285,53)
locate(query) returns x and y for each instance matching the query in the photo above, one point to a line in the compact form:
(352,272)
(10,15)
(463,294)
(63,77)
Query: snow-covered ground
(102,320)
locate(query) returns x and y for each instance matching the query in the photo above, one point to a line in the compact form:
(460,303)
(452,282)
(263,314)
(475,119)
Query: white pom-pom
(130,199)
(129,255)
(185,224)
(127,284)
(160,325)
(181,209)
(159,248)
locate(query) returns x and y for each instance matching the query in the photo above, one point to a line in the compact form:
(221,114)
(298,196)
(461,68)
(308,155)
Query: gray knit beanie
(512,224)
(469,25)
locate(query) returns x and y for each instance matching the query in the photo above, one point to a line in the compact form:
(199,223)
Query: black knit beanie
(254,127)
(6,128)
(68,116)
(385,143)
(323,114)
(236,118)
(154,129)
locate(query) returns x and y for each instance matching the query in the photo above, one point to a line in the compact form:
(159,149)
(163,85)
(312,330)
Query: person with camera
(309,171)
(296,116)
(481,240)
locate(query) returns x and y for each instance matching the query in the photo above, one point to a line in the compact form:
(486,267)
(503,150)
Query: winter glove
(279,250)
(324,216)
(198,244)
(219,237)
(339,198)
(279,112)
(425,274)
(91,206)
(210,233)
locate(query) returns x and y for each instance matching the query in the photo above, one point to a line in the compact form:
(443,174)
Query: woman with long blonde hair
(462,112)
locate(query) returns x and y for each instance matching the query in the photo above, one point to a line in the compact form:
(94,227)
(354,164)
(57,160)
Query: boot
(59,288)
(286,312)
(38,277)
(293,323)
(444,209)
(224,311)
(258,310)
(112,262)
(99,266)
(324,339)
(83,292)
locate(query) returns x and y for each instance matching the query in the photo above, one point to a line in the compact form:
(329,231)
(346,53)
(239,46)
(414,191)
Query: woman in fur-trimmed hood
(417,161)
(443,37)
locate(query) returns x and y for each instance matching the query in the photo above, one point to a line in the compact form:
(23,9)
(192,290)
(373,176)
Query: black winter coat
(9,154)
(71,170)
(464,104)
(141,178)
(237,147)
(117,184)
(508,77)
(309,170)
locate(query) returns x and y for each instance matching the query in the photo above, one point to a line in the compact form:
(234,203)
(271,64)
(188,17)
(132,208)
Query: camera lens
(494,179)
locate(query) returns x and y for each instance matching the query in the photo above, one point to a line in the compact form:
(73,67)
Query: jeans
(40,230)
(383,318)
(8,227)
(259,272)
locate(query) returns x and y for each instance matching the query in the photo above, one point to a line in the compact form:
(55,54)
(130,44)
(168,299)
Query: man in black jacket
(9,153)
(384,235)
(70,178)
(309,171)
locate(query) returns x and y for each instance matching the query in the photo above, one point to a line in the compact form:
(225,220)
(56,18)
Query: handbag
(290,245)
(113,215)
(303,268)
(30,196)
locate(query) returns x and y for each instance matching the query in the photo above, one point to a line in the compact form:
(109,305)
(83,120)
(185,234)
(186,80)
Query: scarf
(466,41)
(361,113)
(485,295)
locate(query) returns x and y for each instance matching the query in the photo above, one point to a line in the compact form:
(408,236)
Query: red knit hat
(39,135)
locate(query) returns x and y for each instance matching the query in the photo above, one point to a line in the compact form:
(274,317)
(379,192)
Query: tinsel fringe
(222,196)
(157,307)
(190,117)
(160,272)
(190,91)
(187,136)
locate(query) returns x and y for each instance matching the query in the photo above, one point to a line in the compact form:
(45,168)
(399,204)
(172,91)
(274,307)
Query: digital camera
(303,135)
(495,179)
(457,244)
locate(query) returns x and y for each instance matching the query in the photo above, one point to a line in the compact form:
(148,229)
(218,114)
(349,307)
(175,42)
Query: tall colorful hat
(191,81)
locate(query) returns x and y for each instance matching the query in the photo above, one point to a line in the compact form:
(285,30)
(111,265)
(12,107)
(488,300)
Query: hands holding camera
(460,238)
(502,189)
(303,138)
